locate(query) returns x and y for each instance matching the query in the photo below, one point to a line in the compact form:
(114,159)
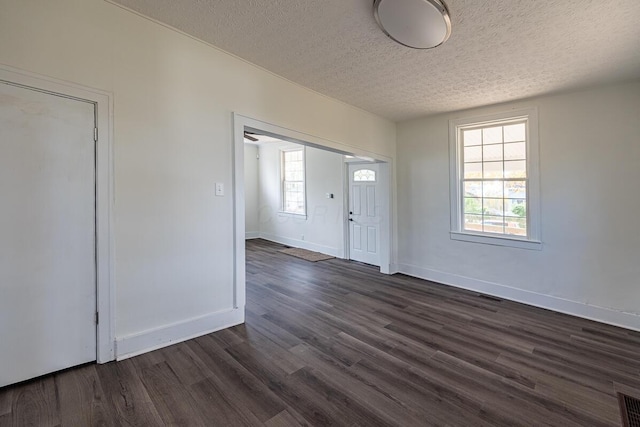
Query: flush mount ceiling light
(419,24)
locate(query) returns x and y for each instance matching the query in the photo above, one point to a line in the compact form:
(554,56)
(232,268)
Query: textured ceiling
(499,50)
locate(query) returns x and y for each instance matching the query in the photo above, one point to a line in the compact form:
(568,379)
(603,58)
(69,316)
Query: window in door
(366,175)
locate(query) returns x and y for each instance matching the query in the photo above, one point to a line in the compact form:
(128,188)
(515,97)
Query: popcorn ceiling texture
(499,50)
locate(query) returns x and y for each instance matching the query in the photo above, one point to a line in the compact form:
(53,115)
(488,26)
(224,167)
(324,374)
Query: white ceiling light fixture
(419,24)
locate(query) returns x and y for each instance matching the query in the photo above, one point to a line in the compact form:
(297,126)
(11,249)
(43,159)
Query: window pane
(473,154)
(293,181)
(516,226)
(494,173)
(293,187)
(515,207)
(515,169)
(493,224)
(515,151)
(492,152)
(513,133)
(515,189)
(472,170)
(492,135)
(492,170)
(493,207)
(364,175)
(492,189)
(472,137)
(472,205)
(473,222)
(473,189)
(294,207)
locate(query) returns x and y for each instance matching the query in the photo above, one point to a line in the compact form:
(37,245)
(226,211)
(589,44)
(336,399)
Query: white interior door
(47,233)
(364,213)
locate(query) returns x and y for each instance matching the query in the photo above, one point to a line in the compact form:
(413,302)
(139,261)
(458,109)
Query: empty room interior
(350,212)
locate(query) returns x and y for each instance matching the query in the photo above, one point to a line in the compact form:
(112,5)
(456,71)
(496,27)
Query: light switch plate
(219,189)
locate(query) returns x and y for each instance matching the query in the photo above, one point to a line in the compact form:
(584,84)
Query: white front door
(364,213)
(47,233)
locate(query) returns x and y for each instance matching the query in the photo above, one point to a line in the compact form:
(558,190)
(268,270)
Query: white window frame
(282,180)
(532,240)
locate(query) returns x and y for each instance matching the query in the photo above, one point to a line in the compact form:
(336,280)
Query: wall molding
(573,308)
(303,244)
(153,339)
(251,235)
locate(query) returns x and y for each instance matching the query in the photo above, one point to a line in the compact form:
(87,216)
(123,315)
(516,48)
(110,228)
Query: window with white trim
(494,182)
(293,183)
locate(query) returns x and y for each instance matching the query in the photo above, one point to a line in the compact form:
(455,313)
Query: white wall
(590,172)
(251,193)
(322,229)
(173,103)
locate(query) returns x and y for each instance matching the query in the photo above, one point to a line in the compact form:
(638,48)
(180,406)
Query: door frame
(103,110)
(242,123)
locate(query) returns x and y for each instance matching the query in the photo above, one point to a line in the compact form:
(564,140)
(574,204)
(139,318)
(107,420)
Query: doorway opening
(311,204)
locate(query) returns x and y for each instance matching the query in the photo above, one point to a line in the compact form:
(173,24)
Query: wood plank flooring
(338,343)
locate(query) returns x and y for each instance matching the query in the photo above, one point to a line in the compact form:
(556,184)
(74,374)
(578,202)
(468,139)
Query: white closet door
(47,233)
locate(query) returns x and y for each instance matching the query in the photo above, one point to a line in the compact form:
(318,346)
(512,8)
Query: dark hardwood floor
(337,343)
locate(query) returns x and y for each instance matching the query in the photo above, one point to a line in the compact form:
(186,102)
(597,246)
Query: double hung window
(495,179)
(293,181)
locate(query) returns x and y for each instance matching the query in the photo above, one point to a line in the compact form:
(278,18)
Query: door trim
(239,124)
(346,191)
(103,102)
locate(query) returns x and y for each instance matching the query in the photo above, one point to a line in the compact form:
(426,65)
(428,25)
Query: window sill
(292,214)
(497,240)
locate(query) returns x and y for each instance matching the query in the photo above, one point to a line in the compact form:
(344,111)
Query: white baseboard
(395,268)
(574,308)
(251,235)
(303,244)
(142,342)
